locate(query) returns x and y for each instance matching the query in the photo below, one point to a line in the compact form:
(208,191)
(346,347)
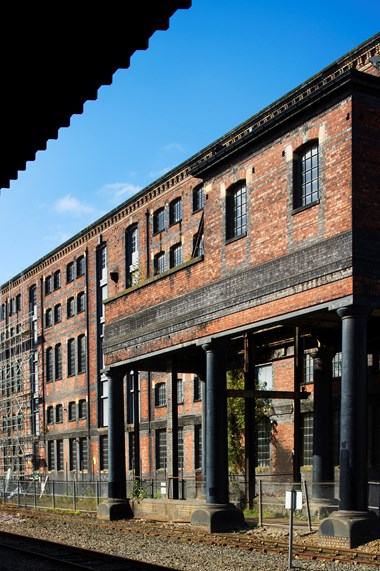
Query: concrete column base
(113,509)
(214,518)
(322,508)
(348,529)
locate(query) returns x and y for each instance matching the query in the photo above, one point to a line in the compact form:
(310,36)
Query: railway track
(63,556)
(238,541)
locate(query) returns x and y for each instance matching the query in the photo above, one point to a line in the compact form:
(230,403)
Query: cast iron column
(136,422)
(353,416)
(116,437)
(216,437)
(323,464)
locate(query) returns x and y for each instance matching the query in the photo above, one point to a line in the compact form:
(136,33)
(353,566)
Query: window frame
(81,302)
(71,357)
(175,211)
(197,389)
(159,263)
(70,307)
(198,198)
(49,364)
(80,266)
(176,255)
(59,414)
(82,409)
(50,415)
(159,220)
(49,317)
(57,313)
(302,165)
(58,363)
(48,285)
(72,411)
(81,354)
(57,280)
(70,272)
(160,399)
(161,449)
(264,442)
(236,210)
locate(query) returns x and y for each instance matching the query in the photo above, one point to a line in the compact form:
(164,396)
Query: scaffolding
(19,391)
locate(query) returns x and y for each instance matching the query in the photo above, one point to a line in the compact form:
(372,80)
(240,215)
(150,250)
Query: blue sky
(219,63)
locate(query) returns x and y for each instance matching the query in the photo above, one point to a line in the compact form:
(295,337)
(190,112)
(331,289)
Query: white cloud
(57,236)
(120,191)
(71,205)
(154,175)
(173,147)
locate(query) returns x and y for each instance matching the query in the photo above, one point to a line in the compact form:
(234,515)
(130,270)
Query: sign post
(293,501)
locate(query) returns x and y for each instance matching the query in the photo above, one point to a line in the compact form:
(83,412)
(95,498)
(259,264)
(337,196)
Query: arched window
(57,279)
(72,410)
(57,313)
(132,255)
(81,266)
(58,361)
(306,175)
(159,263)
(159,220)
(49,364)
(71,357)
(81,353)
(81,302)
(48,285)
(176,255)
(198,198)
(70,272)
(175,211)
(70,307)
(59,413)
(236,210)
(48,318)
(49,415)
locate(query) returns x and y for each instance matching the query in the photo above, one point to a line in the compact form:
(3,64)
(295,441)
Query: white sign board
(297,500)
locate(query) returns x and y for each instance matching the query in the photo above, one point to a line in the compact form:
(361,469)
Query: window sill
(156,277)
(235,238)
(305,206)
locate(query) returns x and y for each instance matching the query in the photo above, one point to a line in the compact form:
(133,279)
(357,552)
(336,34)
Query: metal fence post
(307,504)
(53,494)
(34,494)
(74,497)
(260,503)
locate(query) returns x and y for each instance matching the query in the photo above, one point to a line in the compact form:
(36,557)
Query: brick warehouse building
(258,253)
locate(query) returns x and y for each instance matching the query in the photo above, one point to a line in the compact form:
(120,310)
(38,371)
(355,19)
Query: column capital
(354,311)
(214,345)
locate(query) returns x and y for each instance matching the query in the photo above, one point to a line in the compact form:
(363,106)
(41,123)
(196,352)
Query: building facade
(258,254)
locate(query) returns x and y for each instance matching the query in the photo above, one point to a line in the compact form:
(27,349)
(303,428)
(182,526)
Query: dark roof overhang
(55,58)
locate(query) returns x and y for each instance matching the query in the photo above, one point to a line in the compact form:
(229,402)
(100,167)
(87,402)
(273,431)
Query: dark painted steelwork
(216,437)
(116,437)
(353,418)
(136,419)
(323,464)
